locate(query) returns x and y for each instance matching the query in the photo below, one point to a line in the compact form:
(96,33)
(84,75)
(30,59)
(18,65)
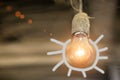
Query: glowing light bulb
(79,52)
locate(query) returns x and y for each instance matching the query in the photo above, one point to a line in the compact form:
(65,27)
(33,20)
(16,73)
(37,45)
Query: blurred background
(26,27)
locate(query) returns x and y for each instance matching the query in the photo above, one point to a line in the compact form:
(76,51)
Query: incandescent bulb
(79,52)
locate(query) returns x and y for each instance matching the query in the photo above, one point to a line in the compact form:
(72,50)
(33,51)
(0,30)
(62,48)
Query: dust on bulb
(79,52)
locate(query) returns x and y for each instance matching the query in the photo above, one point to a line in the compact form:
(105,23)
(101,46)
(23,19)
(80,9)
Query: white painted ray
(84,74)
(57,42)
(103,49)
(69,72)
(54,52)
(98,39)
(57,65)
(103,57)
(98,69)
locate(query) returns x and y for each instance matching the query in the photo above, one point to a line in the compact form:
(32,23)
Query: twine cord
(80,9)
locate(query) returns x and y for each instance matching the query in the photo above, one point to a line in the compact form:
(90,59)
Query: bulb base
(81,23)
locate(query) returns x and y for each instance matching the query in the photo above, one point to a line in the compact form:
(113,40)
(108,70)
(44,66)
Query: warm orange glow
(9,8)
(22,16)
(80,53)
(30,21)
(17,13)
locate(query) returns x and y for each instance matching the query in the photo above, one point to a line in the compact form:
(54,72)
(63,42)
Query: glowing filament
(80,53)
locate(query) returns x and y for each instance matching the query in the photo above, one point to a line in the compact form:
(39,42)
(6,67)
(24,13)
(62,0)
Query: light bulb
(79,52)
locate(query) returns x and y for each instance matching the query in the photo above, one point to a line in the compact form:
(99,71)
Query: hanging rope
(80,9)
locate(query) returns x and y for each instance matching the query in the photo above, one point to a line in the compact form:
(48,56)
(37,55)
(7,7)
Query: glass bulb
(79,52)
